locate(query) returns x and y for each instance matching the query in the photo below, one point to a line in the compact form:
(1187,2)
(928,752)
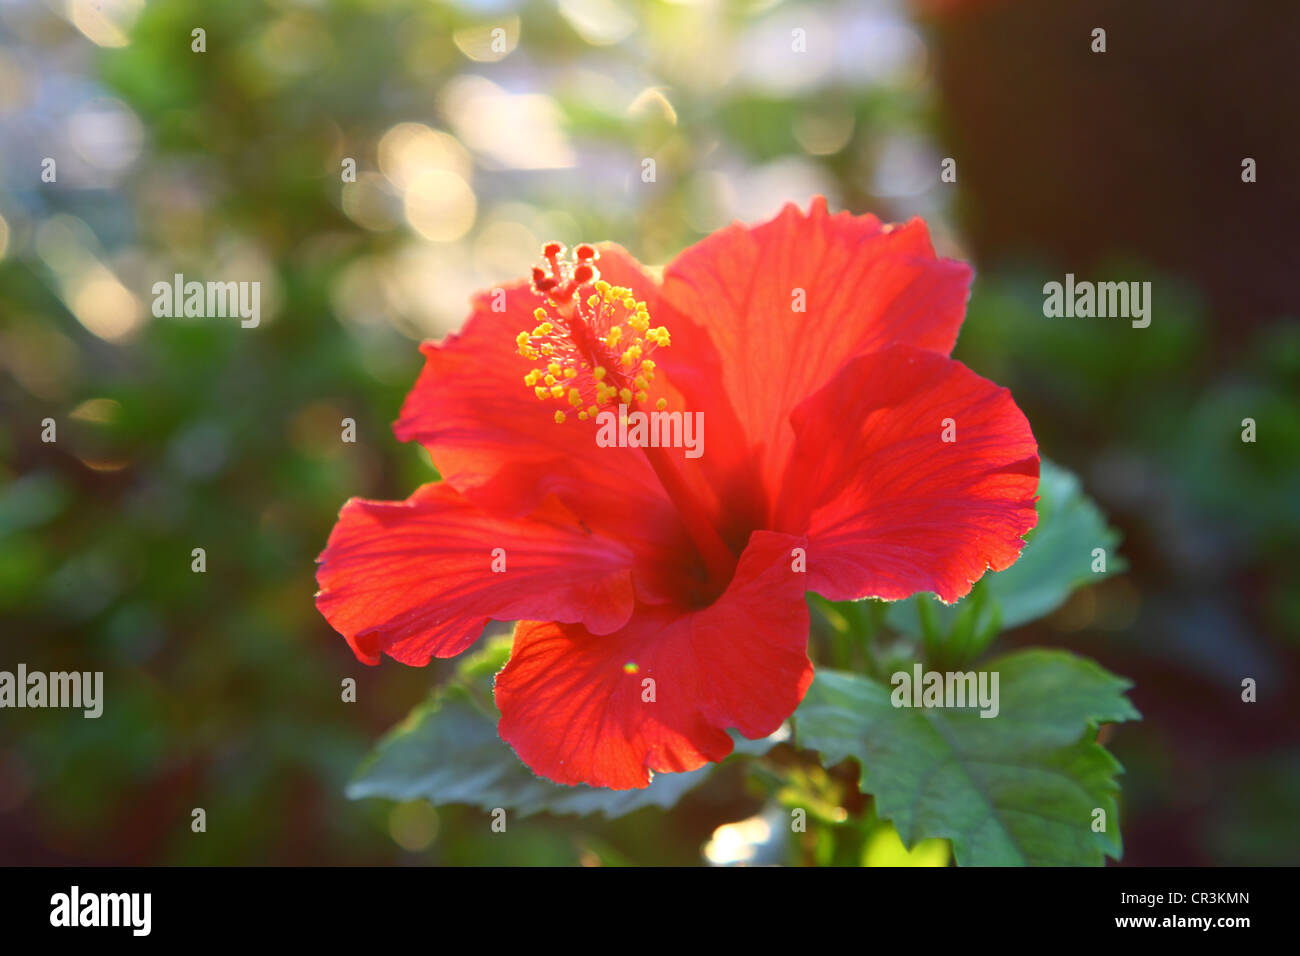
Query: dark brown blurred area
(1137,150)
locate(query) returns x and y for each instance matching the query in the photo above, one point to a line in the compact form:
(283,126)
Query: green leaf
(1057,559)
(447,751)
(1016,789)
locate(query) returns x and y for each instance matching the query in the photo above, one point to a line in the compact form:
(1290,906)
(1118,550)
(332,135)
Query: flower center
(593,339)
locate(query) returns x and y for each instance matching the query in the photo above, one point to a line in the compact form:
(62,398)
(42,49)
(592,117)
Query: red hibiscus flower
(660,590)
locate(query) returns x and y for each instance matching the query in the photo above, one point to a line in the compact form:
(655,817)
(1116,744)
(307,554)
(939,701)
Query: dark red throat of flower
(593,343)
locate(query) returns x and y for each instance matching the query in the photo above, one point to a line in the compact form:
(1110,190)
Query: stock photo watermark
(950,689)
(1085,300)
(83,690)
(657,429)
(211,300)
(77,909)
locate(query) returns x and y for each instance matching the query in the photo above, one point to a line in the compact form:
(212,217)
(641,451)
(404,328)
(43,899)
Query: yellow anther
(661,404)
(559,418)
(588,353)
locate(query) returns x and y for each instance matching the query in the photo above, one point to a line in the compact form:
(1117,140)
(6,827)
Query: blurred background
(480,129)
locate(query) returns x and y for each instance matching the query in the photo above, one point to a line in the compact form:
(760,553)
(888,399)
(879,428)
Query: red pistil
(595,352)
(718,558)
(564,279)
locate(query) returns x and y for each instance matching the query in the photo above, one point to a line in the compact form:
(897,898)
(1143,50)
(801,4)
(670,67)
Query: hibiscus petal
(488,434)
(729,302)
(888,506)
(414,579)
(573,705)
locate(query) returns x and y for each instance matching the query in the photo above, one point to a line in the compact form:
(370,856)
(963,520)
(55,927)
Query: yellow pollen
(559,418)
(591,339)
(661,404)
